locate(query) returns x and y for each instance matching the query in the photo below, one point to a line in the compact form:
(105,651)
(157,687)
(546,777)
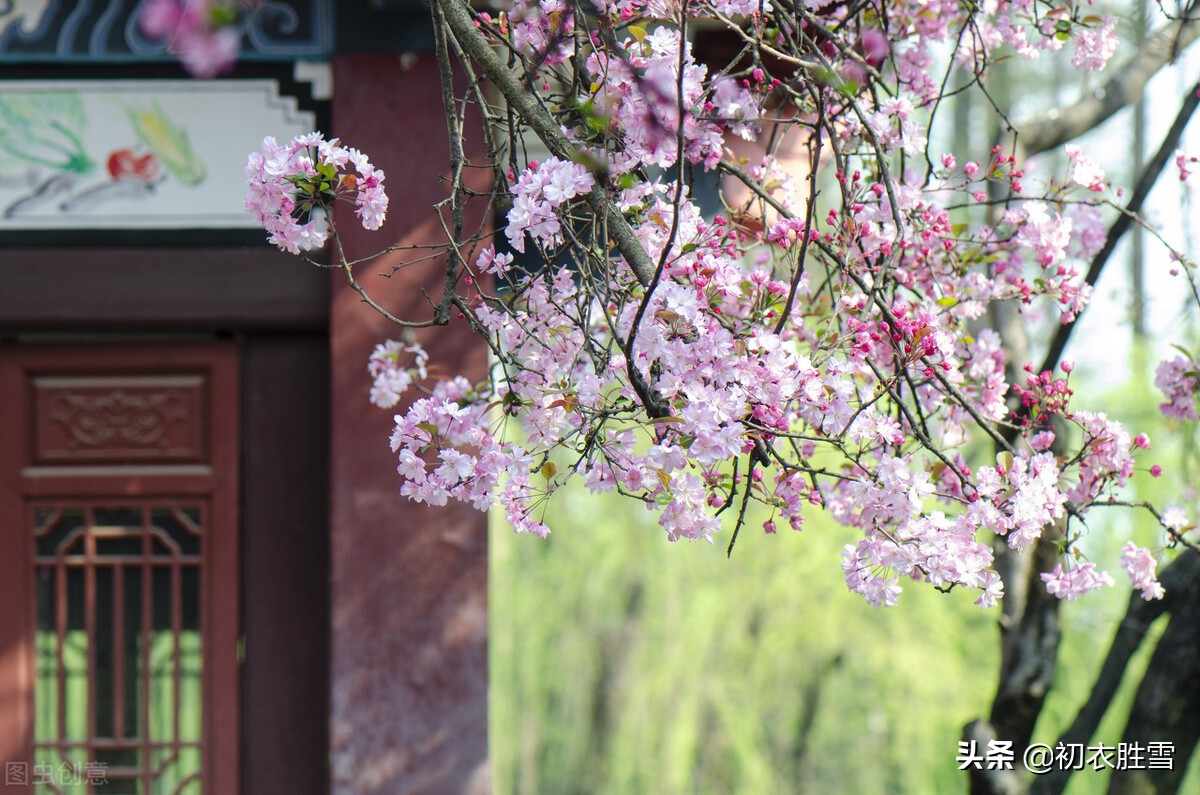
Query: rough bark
(1167,705)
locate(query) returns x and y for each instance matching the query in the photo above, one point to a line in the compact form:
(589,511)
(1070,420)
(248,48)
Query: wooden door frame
(22,479)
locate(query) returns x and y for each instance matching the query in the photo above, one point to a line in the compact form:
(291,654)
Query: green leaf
(1184,351)
(222,15)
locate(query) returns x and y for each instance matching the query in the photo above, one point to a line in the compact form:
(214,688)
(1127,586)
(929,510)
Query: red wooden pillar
(408,689)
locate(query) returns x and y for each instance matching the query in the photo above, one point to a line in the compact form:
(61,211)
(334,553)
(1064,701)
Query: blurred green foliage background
(621,663)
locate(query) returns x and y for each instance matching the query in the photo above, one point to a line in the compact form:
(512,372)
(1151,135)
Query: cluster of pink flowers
(287,185)
(1076,581)
(707,309)
(1084,170)
(1019,501)
(1177,378)
(1028,502)
(540,191)
(469,464)
(1044,232)
(853,378)
(1109,460)
(896,126)
(581,358)
(203,33)
(543,30)
(1142,569)
(1087,222)
(637,93)
(1095,46)
(1175,518)
(934,548)
(1046,236)
(390,377)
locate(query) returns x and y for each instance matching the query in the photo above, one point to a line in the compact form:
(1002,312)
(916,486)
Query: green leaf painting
(46,129)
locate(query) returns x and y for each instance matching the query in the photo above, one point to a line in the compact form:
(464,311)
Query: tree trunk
(1167,706)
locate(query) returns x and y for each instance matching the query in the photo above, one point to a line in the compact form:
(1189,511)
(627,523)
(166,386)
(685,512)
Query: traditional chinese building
(208,581)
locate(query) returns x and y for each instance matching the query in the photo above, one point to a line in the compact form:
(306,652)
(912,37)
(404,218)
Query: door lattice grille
(118,688)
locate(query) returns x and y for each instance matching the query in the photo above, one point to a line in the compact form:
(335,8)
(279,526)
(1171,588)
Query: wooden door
(119,568)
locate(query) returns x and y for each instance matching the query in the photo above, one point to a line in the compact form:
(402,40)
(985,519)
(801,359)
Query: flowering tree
(845,332)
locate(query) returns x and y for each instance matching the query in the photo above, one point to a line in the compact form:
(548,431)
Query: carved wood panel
(117,419)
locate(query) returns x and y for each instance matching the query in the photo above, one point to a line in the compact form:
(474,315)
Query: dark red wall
(408,684)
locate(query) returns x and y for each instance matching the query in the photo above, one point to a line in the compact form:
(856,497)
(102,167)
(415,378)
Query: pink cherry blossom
(1177,378)
(1141,567)
(1175,518)
(1094,46)
(198,31)
(538,194)
(284,186)
(1076,581)
(1084,169)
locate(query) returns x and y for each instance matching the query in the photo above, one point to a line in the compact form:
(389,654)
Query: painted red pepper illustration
(124,163)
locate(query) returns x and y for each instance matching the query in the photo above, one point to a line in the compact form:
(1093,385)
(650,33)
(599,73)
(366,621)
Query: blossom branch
(525,103)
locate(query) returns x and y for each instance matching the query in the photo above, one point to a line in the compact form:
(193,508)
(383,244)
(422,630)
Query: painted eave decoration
(87,31)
